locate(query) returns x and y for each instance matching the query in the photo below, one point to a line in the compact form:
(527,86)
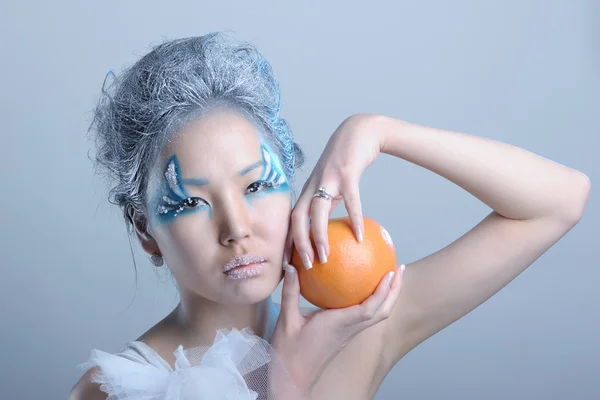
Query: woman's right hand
(306,344)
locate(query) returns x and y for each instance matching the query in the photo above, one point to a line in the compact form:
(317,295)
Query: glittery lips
(249,265)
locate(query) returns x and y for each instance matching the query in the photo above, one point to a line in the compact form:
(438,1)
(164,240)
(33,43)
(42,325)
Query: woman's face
(218,200)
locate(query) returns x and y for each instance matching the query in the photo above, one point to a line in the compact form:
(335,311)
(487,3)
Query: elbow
(579,193)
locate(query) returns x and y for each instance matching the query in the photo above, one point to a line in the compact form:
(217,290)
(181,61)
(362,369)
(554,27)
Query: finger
(319,222)
(288,247)
(334,203)
(354,208)
(367,310)
(290,297)
(300,232)
(390,301)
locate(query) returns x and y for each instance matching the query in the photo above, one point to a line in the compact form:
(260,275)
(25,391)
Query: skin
(534,202)
(235,215)
(340,353)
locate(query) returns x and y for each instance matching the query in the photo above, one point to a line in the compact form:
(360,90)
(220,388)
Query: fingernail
(390,278)
(402,268)
(290,272)
(322,254)
(286,258)
(306,261)
(359,233)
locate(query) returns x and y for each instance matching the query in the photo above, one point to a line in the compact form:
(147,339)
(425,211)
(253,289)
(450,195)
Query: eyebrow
(204,182)
(195,181)
(252,167)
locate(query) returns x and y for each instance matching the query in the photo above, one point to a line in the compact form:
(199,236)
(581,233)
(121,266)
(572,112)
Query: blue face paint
(272,178)
(174,199)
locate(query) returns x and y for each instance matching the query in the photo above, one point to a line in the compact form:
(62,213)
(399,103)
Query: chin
(251,290)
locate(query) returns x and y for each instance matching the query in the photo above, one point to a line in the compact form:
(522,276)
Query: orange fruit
(352,271)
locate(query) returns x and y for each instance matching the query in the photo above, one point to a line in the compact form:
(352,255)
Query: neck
(197,319)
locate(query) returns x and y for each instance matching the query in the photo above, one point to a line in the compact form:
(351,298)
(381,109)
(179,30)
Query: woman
(204,168)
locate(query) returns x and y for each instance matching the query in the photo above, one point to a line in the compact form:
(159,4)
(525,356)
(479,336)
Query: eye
(256,187)
(191,202)
(169,205)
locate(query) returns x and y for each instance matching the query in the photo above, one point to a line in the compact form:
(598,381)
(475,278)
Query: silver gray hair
(140,109)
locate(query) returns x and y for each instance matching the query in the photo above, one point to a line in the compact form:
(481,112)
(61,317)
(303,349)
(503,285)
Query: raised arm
(535,202)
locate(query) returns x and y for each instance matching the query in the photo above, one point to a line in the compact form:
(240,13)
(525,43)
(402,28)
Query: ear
(140,224)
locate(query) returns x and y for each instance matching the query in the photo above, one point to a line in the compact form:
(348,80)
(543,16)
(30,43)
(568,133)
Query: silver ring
(322,194)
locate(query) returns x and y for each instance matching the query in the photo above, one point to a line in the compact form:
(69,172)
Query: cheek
(185,239)
(272,214)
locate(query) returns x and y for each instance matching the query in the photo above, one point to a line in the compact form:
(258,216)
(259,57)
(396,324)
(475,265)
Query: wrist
(373,125)
(393,134)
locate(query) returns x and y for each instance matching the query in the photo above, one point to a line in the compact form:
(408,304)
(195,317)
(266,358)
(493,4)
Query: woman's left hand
(354,146)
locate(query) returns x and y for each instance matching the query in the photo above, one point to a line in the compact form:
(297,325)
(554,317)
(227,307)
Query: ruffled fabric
(237,366)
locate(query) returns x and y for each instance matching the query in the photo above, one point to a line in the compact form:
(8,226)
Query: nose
(234,221)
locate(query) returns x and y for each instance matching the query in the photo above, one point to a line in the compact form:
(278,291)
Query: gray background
(523,72)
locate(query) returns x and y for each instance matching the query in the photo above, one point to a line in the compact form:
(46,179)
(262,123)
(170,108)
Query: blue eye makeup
(174,199)
(272,177)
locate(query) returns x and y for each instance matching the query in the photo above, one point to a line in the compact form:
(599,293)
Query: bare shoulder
(85,389)
(357,371)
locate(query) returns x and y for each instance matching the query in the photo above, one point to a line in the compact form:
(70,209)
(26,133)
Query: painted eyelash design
(272,174)
(272,178)
(172,177)
(177,206)
(264,184)
(173,181)
(192,202)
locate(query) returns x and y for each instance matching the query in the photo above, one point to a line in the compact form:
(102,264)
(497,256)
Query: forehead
(215,145)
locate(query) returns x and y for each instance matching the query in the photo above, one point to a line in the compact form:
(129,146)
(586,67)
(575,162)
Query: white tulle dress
(237,366)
